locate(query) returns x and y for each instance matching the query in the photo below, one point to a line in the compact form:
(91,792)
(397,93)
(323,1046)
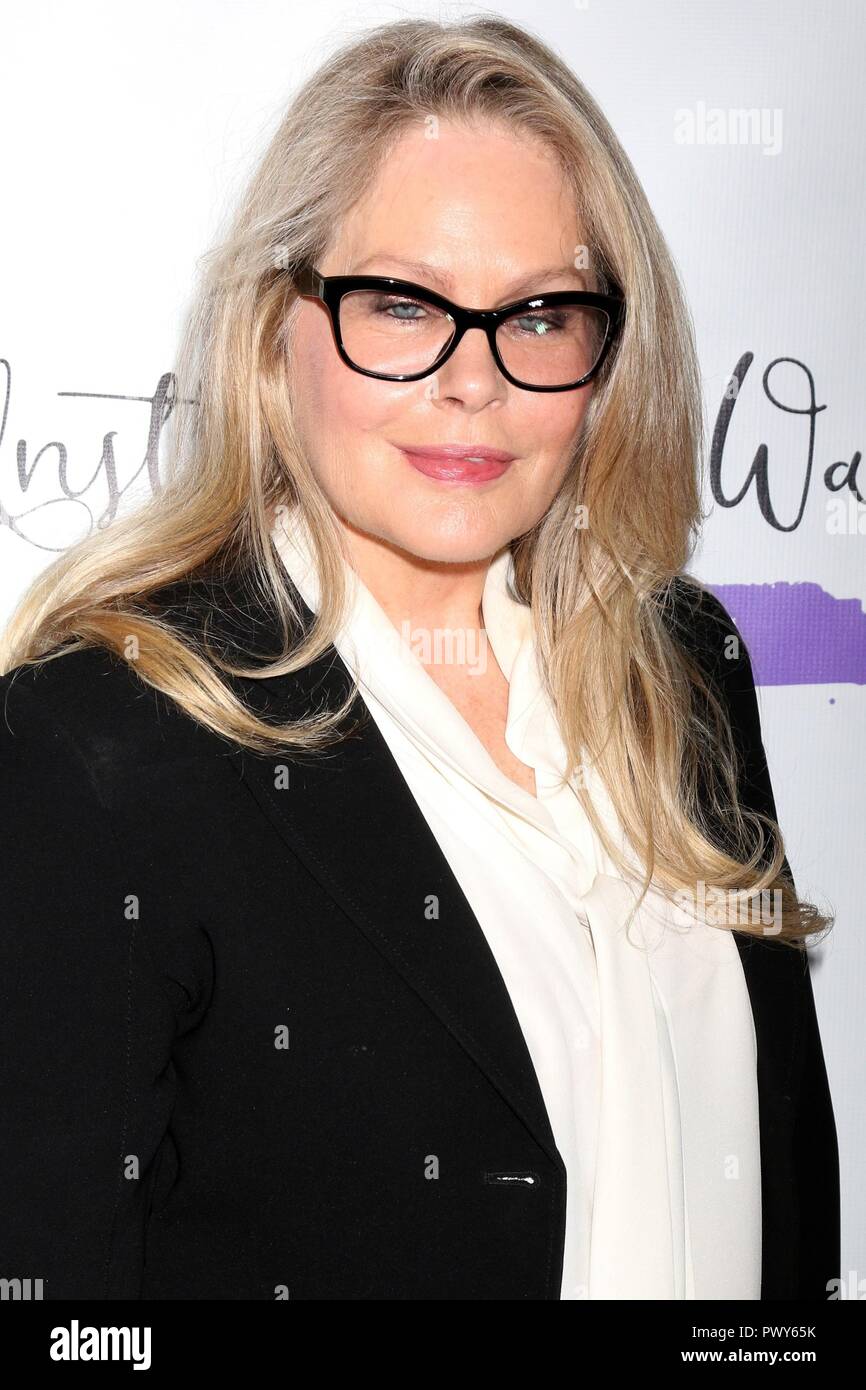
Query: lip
(460,463)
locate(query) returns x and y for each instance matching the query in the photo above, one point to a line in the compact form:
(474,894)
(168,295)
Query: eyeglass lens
(398,336)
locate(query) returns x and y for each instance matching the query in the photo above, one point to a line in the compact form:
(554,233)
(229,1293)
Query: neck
(427,593)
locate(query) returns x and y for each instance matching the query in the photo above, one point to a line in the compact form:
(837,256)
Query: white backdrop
(129,130)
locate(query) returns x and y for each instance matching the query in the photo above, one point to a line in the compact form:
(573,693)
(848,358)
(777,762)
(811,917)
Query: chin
(462,545)
(464,532)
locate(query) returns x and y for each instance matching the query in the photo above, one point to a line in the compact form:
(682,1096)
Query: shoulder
(701,625)
(87,706)
(698,620)
(66,689)
(84,687)
(89,699)
(705,631)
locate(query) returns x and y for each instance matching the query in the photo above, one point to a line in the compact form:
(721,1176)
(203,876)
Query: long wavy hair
(624,689)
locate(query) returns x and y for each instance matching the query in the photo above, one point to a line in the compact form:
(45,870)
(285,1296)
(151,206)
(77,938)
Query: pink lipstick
(458,463)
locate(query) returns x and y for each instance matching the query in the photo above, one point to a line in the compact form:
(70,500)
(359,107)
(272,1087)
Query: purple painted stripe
(798,634)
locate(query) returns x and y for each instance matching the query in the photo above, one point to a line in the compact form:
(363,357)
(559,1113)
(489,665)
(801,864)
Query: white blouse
(646,1058)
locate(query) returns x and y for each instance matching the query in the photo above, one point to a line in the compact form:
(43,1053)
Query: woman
(355,944)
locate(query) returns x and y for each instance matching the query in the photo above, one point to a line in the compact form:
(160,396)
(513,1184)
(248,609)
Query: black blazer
(237,1060)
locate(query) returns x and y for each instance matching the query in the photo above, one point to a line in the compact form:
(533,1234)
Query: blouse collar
(388,664)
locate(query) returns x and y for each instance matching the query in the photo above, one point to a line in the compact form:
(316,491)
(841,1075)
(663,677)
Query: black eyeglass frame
(330,289)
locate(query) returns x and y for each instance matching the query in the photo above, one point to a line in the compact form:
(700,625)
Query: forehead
(478,201)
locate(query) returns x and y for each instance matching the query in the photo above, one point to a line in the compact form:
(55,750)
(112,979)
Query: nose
(470,374)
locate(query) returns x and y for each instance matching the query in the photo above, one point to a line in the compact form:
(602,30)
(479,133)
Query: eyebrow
(445,280)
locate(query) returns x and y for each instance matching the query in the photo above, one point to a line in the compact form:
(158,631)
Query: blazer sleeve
(86,1021)
(815,1147)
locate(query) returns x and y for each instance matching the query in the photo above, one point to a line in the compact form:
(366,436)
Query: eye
(539,323)
(383,304)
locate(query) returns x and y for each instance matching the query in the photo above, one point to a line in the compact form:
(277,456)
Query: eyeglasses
(398,331)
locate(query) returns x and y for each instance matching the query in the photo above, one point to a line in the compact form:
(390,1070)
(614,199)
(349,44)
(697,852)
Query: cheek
(343,418)
(551,428)
(555,417)
(333,402)
(550,425)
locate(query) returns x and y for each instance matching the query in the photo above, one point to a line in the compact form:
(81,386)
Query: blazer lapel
(348,814)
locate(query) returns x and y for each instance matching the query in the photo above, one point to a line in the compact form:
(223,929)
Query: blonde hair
(624,690)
